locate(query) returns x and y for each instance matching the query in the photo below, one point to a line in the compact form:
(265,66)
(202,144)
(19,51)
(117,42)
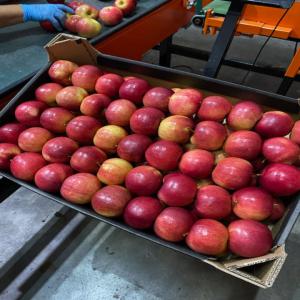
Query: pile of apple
(192,168)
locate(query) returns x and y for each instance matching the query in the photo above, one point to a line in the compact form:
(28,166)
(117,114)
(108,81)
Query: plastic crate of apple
(87,20)
(194,169)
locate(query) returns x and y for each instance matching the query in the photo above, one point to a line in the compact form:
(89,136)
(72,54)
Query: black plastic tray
(176,78)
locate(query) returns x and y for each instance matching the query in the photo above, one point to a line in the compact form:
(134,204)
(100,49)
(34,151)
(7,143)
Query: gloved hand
(55,13)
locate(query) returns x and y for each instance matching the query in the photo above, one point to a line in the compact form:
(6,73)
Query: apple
(61,71)
(7,152)
(51,177)
(295,134)
(86,77)
(185,103)
(178,190)
(56,119)
(280,179)
(94,105)
(86,11)
(113,171)
(9,133)
(252,203)
(71,97)
(47,26)
(173,224)
(71,21)
(126,6)
(108,137)
(33,139)
(277,211)
(143,180)
(164,155)
(244,115)
(109,84)
(213,202)
(134,90)
(208,237)
(119,112)
(243,144)
(158,97)
(176,128)
(87,159)
(197,163)
(209,135)
(233,173)
(47,93)
(80,188)
(110,201)
(274,123)
(132,147)
(281,150)
(59,149)
(88,28)
(141,212)
(146,120)
(110,15)
(24,166)
(74,4)
(82,129)
(28,113)
(249,238)
(214,108)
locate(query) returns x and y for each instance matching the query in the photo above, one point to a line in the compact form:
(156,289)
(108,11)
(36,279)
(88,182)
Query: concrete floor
(97,262)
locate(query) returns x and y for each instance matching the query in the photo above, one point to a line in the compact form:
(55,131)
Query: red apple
(213,202)
(164,155)
(7,152)
(86,77)
(209,135)
(280,179)
(248,238)
(59,149)
(9,133)
(110,201)
(33,139)
(126,6)
(277,211)
(233,173)
(74,4)
(24,166)
(71,97)
(86,11)
(47,93)
(143,180)
(51,177)
(178,190)
(134,90)
(82,129)
(197,163)
(214,108)
(28,113)
(132,147)
(274,123)
(173,224)
(146,120)
(176,128)
(208,237)
(119,112)
(80,188)
(108,137)
(295,134)
(243,144)
(113,171)
(61,71)
(280,150)
(252,203)
(88,27)
(110,15)
(141,212)
(158,97)
(71,21)
(109,84)
(185,103)
(47,26)
(94,105)
(56,119)
(244,115)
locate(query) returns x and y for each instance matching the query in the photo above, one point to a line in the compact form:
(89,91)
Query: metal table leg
(165,52)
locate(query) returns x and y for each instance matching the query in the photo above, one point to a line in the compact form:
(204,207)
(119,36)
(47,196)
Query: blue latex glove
(55,13)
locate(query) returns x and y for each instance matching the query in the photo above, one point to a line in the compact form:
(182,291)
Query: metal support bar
(164,52)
